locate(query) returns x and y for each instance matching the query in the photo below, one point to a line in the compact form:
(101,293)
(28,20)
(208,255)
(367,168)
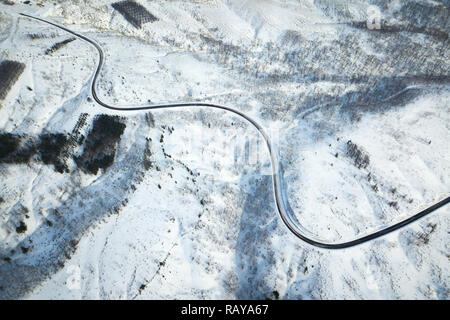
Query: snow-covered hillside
(101,204)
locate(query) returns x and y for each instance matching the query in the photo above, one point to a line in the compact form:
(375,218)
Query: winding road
(281,200)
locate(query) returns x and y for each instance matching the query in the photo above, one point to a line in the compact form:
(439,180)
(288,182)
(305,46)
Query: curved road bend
(282,203)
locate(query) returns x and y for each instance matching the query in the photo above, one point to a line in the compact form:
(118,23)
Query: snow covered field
(185,209)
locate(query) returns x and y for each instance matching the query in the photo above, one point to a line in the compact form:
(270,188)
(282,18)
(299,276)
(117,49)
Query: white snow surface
(202,223)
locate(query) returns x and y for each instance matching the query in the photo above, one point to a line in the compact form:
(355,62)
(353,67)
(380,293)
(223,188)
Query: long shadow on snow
(50,250)
(254,258)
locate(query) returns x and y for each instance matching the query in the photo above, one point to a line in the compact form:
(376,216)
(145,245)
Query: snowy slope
(186,208)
